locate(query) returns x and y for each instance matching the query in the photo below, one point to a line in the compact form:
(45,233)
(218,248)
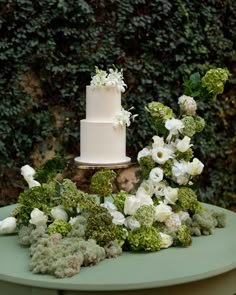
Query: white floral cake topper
(113,77)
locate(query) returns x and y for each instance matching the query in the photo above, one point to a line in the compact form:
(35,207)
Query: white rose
(157,141)
(118,217)
(180,172)
(143,153)
(156,175)
(162,212)
(195,167)
(184,144)
(38,217)
(109,206)
(166,240)
(59,213)
(131,223)
(28,172)
(8,225)
(131,205)
(171,195)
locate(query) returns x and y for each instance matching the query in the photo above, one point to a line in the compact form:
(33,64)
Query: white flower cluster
(113,78)
(123,118)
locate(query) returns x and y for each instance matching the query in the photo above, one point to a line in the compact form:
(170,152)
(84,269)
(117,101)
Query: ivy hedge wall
(48,50)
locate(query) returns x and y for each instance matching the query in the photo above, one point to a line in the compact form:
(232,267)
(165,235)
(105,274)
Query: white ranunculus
(162,212)
(184,144)
(187,105)
(59,213)
(131,223)
(171,195)
(8,225)
(160,155)
(131,205)
(144,152)
(180,172)
(156,175)
(109,206)
(157,141)
(195,167)
(118,217)
(166,240)
(38,217)
(28,173)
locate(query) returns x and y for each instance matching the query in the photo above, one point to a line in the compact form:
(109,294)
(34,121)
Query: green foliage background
(48,50)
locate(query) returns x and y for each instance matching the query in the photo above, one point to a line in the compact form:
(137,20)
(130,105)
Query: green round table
(208,267)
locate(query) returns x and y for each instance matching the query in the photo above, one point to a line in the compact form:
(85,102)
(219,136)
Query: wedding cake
(103,132)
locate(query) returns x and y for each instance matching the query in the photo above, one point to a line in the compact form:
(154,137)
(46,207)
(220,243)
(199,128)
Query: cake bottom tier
(101,143)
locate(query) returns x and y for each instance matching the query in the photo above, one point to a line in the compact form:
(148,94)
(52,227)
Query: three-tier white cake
(102,142)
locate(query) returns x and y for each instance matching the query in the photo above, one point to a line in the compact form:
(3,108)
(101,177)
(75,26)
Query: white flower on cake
(187,105)
(156,175)
(184,144)
(123,118)
(113,78)
(28,173)
(195,167)
(38,217)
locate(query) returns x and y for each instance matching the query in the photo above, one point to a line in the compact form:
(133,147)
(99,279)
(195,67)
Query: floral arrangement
(113,78)
(67,228)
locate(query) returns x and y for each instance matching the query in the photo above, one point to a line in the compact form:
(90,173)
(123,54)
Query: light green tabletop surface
(207,257)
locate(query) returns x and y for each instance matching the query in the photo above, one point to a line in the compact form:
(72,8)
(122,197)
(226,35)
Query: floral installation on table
(66,228)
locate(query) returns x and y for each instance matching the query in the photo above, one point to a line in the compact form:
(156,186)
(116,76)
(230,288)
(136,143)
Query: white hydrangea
(173,222)
(187,105)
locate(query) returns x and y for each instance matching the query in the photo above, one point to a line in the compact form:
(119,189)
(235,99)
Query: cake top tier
(112,78)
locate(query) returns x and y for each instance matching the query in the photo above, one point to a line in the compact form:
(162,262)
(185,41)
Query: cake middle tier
(102,143)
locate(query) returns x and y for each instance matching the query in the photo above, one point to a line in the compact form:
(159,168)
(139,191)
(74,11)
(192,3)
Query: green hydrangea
(121,235)
(159,111)
(119,200)
(59,226)
(100,226)
(186,156)
(41,197)
(145,215)
(71,197)
(189,126)
(146,165)
(183,236)
(187,199)
(101,182)
(145,239)
(200,123)
(167,168)
(214,80)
